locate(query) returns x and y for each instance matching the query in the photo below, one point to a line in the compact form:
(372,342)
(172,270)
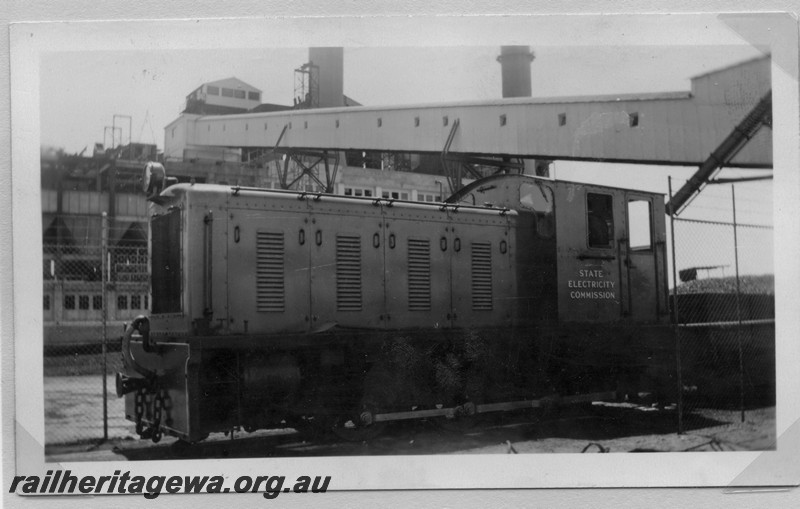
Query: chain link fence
(724,307)
(90,291)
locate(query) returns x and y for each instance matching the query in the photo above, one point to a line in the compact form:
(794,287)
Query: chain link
(158,404)
(138,411)
(153,431)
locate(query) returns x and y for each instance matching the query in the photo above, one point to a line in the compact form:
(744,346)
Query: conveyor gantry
(682,128)
(668,129)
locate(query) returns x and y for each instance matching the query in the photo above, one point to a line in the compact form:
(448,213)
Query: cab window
(600,220)
(640,234)
(539,198)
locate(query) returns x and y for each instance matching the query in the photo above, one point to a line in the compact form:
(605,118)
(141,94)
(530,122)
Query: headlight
(153,178)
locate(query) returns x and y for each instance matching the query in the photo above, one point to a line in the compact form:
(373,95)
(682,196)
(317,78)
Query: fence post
(738,305)
(104,277)
(675,330)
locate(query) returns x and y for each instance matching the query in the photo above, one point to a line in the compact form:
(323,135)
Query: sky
(82,91)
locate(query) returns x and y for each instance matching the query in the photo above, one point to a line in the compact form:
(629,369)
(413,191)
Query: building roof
(233,83)
(733,66)
(349,101)
(267,107)
(203,108)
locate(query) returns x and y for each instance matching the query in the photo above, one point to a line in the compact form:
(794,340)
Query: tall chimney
(515,64)
(330,62)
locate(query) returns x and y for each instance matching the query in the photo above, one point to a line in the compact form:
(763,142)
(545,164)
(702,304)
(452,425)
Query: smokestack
(330,62)
(515,64)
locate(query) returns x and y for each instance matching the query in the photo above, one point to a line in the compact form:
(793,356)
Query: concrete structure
(669,129)
(330,62)
(515,64)
(76,193)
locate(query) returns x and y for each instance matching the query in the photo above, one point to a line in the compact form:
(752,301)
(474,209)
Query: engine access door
(346,268)
(418,286)
(639,252)
(268,260)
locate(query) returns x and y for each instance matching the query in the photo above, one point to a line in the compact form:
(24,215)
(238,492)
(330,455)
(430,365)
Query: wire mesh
(724,305)
(89,294)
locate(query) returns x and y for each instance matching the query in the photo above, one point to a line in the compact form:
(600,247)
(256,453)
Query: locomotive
(275,308)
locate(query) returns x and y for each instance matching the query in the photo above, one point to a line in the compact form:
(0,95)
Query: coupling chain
(153,430)
(138,411)
(158,405)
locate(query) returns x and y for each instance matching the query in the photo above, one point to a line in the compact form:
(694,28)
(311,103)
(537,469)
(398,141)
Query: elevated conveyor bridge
(682,129)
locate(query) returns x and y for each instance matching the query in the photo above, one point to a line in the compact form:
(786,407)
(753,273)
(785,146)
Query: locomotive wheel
(357,428)
(379,392)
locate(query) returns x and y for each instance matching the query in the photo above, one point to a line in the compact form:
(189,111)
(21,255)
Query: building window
(633,119)
(46,303)
(227,92)
(122,302)
(357,191)
(239,94)
(395,195)
(503,120)
(600,219)
(146,301)
(254,96)
(136,302)
(97,302)
(562,119)
(69,302)
(428,197)
(212,90)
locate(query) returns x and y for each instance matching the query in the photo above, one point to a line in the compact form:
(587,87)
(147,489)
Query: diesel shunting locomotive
(275,308)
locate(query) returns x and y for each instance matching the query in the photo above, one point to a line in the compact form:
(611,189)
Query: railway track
(490,432)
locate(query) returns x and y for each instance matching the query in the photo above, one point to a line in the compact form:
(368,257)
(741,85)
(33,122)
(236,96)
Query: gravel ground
(73,408)
(613,429)
(729,434)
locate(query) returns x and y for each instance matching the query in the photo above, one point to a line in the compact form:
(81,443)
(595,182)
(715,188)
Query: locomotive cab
(586,253)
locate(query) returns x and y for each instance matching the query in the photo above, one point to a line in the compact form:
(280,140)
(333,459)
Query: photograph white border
(28,41)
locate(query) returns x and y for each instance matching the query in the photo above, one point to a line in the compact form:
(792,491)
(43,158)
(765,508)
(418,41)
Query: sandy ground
(728,433)
(73,408)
